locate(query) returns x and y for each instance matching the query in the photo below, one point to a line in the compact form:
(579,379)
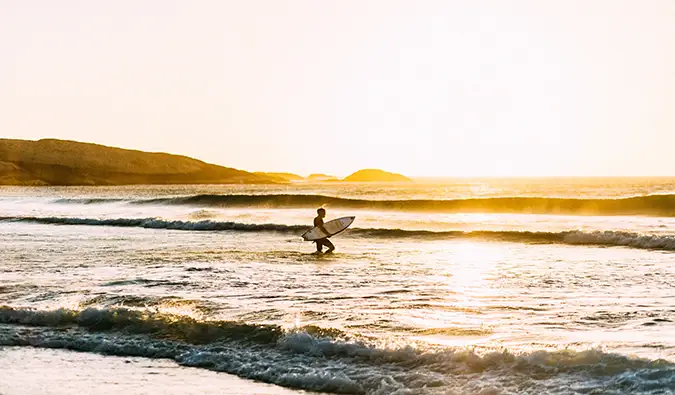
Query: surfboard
(333,227)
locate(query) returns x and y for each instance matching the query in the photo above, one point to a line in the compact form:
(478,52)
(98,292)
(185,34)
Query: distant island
(283,177)
(376,175)
(321,177)
(62,162)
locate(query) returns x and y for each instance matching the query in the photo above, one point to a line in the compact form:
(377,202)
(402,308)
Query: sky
(419,87)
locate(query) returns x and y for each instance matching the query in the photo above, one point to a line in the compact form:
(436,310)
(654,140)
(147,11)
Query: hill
(62,162)
(376,175)
(282,177)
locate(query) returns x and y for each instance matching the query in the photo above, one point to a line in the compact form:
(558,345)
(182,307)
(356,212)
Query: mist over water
(414,301)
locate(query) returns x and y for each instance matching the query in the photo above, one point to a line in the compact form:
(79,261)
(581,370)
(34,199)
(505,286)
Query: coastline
(29,370)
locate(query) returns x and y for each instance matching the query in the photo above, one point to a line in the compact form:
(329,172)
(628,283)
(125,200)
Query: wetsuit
(318,221)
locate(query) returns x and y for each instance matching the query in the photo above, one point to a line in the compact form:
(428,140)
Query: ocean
(455,286)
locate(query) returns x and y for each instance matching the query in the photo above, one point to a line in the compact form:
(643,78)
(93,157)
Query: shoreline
(31,370)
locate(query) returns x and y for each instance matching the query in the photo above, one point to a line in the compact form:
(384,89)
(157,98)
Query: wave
(662,205)
(155,223)
(90,200)
(329,360)
(571,237)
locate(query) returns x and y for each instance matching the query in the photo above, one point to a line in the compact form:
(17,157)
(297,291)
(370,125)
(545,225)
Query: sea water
(439,287)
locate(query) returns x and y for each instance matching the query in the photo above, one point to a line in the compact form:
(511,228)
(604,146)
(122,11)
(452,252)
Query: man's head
(321,212)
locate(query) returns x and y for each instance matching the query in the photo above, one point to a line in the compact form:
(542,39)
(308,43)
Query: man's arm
(318,222)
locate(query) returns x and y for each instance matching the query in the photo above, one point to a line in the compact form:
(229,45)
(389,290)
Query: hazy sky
(454,88)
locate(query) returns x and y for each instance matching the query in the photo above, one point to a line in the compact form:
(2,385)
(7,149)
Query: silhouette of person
(318,222)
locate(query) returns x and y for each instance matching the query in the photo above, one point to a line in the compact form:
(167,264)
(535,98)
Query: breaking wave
(663,205)
(155,223)
(90,200)
(329,360)
(571,237)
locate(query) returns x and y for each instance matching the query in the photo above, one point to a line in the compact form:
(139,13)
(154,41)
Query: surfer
(318,222)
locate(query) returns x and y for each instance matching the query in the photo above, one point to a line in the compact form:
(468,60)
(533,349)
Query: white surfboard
(333,227)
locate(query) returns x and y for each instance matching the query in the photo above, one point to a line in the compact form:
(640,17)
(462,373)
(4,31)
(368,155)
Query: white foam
(617,238)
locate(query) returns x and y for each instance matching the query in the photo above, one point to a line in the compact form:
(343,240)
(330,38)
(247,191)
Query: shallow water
(415,302)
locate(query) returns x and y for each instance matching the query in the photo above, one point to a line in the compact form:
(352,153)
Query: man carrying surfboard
(318,223)
(322,231)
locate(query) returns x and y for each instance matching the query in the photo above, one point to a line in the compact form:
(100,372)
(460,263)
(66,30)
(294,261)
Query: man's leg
(319,245)
(328,244)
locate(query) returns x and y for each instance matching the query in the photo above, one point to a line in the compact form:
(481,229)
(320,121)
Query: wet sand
(27,370)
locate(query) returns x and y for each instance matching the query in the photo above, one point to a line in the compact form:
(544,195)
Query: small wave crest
(639,205)
(90,200)
(156,223)
(329,360)
(572,237)
(160,325)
